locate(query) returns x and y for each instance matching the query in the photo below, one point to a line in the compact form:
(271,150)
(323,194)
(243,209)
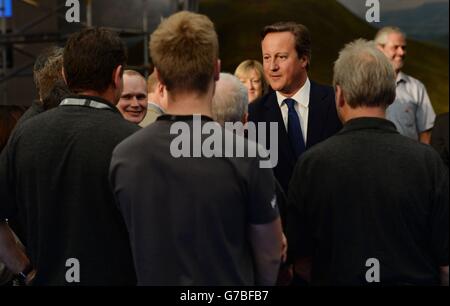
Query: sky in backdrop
(358,6)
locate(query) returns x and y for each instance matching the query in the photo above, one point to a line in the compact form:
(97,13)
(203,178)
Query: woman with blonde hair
(251,73)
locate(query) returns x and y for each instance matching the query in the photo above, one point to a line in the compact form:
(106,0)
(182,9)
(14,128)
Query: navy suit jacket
(323,122)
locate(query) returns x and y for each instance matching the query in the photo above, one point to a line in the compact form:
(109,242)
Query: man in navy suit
(304,110)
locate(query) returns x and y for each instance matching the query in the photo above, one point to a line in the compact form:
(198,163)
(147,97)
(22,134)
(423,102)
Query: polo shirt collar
(169,117)
(364,123)
(96,99)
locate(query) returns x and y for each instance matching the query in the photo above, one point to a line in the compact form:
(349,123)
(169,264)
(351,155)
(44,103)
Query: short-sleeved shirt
(411,111)
(369,194)
(188,217)
(54,182)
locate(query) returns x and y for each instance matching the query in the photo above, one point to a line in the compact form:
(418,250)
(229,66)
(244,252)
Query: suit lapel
(273,114)
(317,115)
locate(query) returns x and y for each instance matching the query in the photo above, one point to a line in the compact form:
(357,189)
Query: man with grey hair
(411,112)
(368,206)
(230,102)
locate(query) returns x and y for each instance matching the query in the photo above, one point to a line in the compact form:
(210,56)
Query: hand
(30,277)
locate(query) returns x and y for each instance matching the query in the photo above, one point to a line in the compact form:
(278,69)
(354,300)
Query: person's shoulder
(326,148)
(415,150)
(261,101)
(38,120)
(138,137)
(413,81)
(113,120)
(325,91)
(321,86)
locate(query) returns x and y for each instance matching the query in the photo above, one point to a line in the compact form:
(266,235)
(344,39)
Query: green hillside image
(239,23)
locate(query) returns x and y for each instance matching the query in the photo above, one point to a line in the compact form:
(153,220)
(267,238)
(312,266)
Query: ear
(158,77)
(340,101)
(304,61)
(118,76)
(380,47)
(217,70)
(63,73)
(160,89)
(245,118)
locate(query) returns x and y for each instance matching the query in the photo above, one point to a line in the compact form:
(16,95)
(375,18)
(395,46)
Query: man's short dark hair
(90,57)
(300,32)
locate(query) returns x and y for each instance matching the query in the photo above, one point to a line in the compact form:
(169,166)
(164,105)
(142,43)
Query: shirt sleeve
(263,202)
(425,114)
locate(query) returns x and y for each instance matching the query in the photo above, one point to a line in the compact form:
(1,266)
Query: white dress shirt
(302,107)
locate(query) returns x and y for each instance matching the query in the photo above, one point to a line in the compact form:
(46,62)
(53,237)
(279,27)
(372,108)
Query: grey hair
(365,75)
(381,38)
(230,101)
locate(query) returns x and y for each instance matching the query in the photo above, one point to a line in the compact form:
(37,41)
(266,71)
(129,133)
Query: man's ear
(63,73)
(118,76)
(217,70)
(158,77)
(244,119)
(380,47)
(305,61)
(340,101)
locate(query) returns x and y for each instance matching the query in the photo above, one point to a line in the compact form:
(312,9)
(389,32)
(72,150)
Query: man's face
(133,102)
(395,50)
(285,72)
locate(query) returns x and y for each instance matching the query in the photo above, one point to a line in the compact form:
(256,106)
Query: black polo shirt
(369,192)
(188,217)
(54,181)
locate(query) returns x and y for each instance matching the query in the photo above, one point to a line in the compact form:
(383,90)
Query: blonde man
(133,100)
(183,231)
(411,112)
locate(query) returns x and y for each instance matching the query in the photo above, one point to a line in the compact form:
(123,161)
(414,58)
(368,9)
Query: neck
(107,95)
(292,92)
(189,103)
(373,112)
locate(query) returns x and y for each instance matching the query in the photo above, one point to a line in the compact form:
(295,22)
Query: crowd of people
(92,193)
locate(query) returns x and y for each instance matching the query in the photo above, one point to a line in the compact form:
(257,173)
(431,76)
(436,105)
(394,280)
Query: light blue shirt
(411,112)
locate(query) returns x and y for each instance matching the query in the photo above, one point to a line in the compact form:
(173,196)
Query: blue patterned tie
(294,129)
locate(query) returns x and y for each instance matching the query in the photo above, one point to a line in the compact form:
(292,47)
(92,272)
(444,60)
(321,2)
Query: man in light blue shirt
(411,112)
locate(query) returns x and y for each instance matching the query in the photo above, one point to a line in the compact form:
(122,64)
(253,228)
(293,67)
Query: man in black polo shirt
(54,175)
(369,206)
(199,220)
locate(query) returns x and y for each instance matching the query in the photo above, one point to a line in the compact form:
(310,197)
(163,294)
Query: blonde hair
(247,66)
(184,48)
(48,70)
(130,72)
(365,75)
